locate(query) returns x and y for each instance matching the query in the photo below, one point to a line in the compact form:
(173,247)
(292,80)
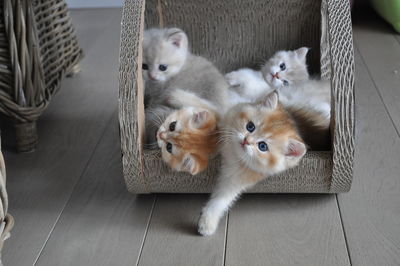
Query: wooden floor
(71,206)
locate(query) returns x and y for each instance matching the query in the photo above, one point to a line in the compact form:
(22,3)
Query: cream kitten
(169,65)
(259,140)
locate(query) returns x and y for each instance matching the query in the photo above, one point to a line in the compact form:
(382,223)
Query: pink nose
(276,75)
(245,142)
(161,135)
(152,77)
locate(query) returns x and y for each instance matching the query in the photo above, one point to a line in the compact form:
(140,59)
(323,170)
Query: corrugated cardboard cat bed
(236,34)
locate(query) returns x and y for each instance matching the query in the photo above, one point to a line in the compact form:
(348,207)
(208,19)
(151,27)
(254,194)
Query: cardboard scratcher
(236,34)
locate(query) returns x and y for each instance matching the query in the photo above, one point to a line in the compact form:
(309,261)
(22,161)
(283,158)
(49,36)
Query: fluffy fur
(192,139)
(311,95)
(287,73)
(244,162)
(313,127)
(308,99)
(168,65)
(286,68)
(250,85)
(246,85)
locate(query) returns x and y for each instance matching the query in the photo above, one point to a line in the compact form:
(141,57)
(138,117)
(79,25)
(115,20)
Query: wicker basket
(6,220)
(235,34)
(38,47)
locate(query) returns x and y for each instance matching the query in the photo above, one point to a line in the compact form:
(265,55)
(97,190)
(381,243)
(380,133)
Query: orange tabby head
(262,136)
(187,138)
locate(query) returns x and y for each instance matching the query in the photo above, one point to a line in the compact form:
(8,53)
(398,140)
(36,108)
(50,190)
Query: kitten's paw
(207,224)
(234,79)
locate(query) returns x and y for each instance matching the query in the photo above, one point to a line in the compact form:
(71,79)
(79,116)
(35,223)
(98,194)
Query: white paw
(207,224)
(234,79)
(326,109)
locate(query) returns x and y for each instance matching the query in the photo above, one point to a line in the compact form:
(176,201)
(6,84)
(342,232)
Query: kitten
(286,68)
(259,140)
(286,72)
(169,65)
(187,139)
(249,85)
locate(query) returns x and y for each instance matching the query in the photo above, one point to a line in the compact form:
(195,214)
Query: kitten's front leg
(227,190)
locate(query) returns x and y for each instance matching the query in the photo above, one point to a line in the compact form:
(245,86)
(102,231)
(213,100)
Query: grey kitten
(168,65)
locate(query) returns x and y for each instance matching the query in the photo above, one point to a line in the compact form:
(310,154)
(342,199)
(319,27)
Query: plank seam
(76,183)
(343,230)
(377,89)
(146,230)
(226,238)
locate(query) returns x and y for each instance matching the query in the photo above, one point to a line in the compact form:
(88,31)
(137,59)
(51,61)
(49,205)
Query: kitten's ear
(271,100)
(302,52)
(177,37)
(199,119)
(191,165)
(295,149)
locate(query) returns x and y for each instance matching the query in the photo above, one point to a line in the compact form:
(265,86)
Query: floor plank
(40,183)
(285,230)
(103,225)
(380,50)
(112,221)
(371,210)
(172,238)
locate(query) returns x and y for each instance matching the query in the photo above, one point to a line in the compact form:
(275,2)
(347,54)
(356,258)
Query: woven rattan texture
(38,47)
(6,220)
(236,34)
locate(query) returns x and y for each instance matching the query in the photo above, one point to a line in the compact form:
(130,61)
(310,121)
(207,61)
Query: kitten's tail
(180,98)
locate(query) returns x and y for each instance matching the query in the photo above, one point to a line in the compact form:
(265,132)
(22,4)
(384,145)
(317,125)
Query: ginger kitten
(259,140)
(187,138)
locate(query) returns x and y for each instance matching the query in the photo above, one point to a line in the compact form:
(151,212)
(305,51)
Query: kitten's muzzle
(161,136)
(276,75)
(152,77)
(244,142)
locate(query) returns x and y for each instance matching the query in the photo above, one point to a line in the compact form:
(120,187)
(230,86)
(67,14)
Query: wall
(93,3)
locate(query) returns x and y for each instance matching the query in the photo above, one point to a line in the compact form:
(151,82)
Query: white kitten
(286,68)
(287,73)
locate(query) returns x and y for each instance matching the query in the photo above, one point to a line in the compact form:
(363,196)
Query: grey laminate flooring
(71,207)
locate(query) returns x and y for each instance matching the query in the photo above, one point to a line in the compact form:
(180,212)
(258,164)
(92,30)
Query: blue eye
(250,127)
(172,126)
(282,66)
(162,67)
(169,147)
(262,146)
(285,82)
(145,67)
